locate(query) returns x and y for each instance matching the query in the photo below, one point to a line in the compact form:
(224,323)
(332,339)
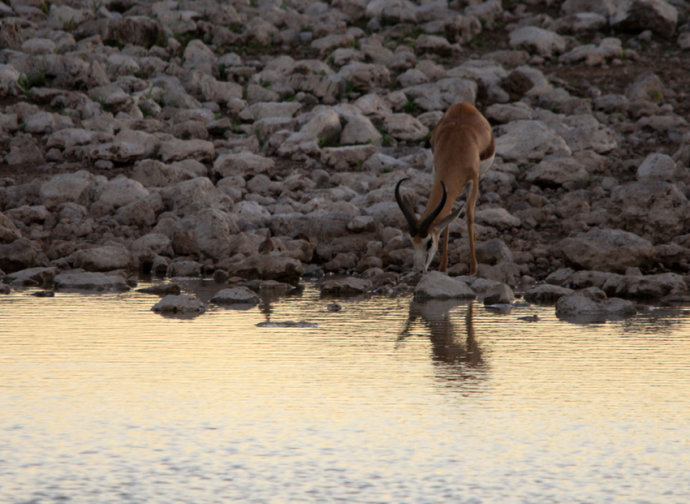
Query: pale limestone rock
(607,250)
(404,127)
(543,42)
(522,140)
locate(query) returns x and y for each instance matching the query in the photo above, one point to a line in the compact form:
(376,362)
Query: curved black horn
(406,210)
(426,223)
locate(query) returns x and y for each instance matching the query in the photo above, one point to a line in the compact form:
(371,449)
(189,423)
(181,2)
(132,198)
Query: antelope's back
(462,143)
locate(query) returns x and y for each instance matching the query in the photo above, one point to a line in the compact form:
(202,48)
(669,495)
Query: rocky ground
(260,141)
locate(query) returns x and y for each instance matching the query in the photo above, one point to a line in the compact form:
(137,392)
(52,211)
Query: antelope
(463,147)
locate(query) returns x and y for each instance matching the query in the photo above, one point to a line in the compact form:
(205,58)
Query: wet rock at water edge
(32,277)
(438,285)
(162,289)
(273,288)
(236,296)
(87,281)
(267,267)
(21,254)
(334,307)
(500,294)
(287,323)
(106,258)
(346,286)
(579,307)
(634,286)
(546,293)
(44,293)
(181,304)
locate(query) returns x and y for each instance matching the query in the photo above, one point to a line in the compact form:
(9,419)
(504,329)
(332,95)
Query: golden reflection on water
(98,393)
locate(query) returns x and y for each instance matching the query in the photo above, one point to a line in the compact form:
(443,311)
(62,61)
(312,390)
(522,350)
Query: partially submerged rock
(578,307)
(32,277)
(235,296)
(87,281)
(287,324)
(162,289)
(346,286)
(268,267)
(437,285)
(546,293)
(181,304)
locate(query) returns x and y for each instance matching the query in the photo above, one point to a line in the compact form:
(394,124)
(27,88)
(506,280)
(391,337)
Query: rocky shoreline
(258,142)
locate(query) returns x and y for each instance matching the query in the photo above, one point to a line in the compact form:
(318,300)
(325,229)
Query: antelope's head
(424,236)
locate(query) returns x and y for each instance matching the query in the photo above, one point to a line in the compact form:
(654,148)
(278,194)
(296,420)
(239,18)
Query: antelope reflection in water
(446,345)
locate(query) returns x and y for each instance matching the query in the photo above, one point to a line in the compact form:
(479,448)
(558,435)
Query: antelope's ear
(443,223)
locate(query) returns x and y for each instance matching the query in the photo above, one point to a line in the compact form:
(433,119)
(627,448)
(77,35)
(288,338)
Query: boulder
(529,140)
(9,78)
(602,7)
(658,16)
(580,308)
(118,192)
(546,293)
(67,187)
(41,276)
(555,171)
(657,166)
(535,39)
(143,31)
(634,286)
(346,286)
(127,146)
(183,268)
(192,195)
(603,249)
(180,304)
(86,281)
(176,150)
(161,289)
(593,54)
(493,251)
(404,127)
(437,285)
(497,217)
(266,267)
(24,149)
(441,94)
(364,76)
(651,206)
(359,130)
(8,230)
(500,294)
(105,258)
(20,254)
(647,86)
(146,247)
(579,22)
(236,296)
(242,163)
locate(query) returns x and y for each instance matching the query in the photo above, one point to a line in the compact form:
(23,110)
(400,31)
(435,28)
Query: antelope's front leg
(444,250)
(470,224)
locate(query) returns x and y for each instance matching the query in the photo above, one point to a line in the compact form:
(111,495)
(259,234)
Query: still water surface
(103,401)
